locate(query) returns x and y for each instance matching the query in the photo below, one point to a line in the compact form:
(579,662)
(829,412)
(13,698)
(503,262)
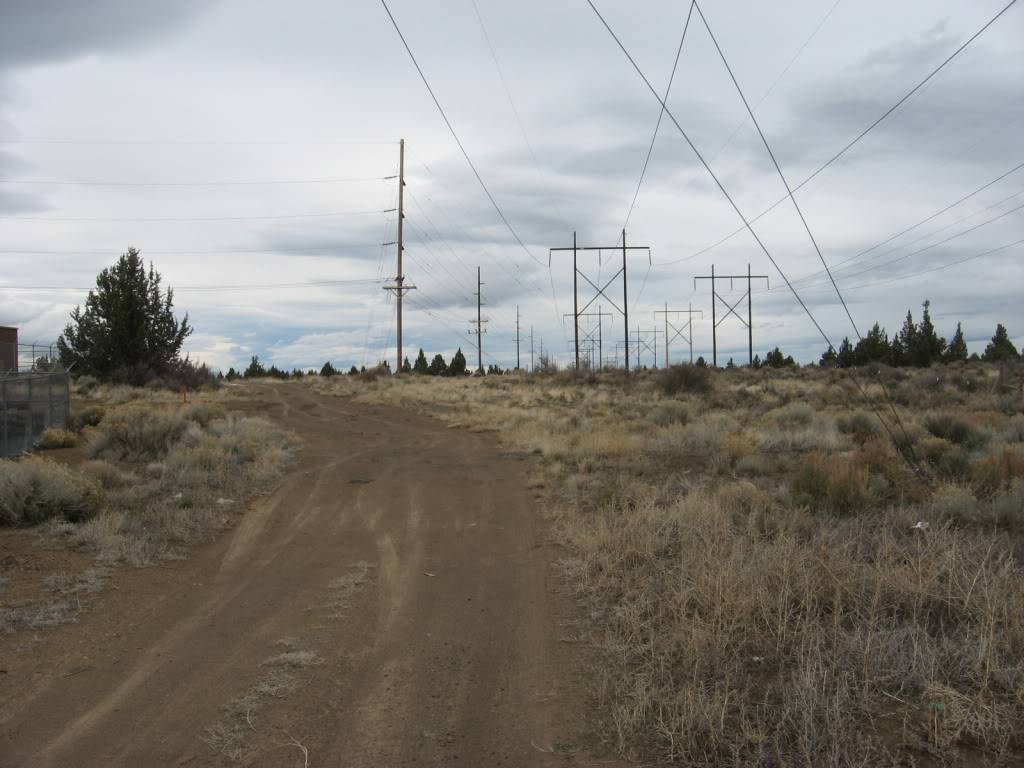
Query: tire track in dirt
(447,655)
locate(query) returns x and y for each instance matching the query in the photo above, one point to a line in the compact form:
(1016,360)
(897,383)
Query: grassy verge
(147,479)
(767,582)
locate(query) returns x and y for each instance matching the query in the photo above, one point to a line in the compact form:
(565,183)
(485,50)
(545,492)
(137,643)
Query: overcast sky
(149,108)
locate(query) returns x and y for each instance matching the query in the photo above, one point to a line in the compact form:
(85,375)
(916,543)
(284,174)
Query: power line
(748,226)
(222,287)
(209,252)
(199,142)
(196,218)
(455,136)
(925,220)
(661,115)
(504,84)
(778,169)
(75,183)
(902,100)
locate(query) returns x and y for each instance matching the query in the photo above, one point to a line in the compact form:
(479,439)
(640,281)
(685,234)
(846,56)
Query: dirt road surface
(393,603)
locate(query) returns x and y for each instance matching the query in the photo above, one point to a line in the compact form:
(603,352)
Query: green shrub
(956,430)
(860,426)
(138,433)
(684,378)
(89,416)
(35,490)
(202,413)
(54,437)
(670,412)
(833,484)
(793,415)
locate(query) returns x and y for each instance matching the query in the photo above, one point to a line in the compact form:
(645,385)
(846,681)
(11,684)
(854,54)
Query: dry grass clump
(137,432)
(831,484)
(86,416)
(35,490)
(55,437)
(741,633)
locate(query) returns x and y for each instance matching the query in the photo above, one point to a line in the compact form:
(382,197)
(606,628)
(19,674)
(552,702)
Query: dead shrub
(860,426)
(691,379)
(87,416)
(665,414)
(54,437)
(997,472)
(138,433)
(35,490)
(832,484)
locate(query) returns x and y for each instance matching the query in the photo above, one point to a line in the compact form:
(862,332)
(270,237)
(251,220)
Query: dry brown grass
(766,581)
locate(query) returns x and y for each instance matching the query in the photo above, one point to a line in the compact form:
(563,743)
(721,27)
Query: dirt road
(392,603)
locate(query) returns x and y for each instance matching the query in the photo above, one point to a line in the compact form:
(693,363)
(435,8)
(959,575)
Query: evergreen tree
(873,348)
(829,359)
(730,364)
(905,343)
(458,366)
(845,357)
(756,362)
(421,366)
(438,367)
(128,331)
(1000,348)
(701,362)
(406,366)
(928,346)
(232,374)
(957,349)
(255,369)
(353,371)
(328,370)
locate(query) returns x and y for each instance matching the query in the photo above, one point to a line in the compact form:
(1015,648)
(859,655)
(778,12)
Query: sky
(249,150)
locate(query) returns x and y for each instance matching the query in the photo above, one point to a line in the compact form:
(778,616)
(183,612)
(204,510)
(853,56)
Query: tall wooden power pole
(517,337)
(400,287)
(731,308)
(479,323)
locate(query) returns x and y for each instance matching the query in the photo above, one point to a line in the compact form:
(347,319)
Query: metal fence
(15,357)
(29,403)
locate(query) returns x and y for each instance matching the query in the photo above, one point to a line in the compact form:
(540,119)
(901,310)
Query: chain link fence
(34,395)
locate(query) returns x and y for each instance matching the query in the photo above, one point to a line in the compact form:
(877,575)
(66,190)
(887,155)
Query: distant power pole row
(715,298)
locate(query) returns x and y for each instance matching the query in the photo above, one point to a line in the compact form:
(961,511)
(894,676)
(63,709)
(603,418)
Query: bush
(793,415)
(35,490)
(691,379)
(956,430)
(89,416)
(860,426)
(138,433)
(54,437)
(669,413)
(836,485)
(997,472)
(202,413)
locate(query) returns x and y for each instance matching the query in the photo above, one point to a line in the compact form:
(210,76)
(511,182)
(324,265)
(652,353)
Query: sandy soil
(406,565)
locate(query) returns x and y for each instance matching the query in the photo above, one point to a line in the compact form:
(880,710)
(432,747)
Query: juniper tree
(957,349)
(127,331)
(1000,348)
(420,366)
(438,367)
(458,364)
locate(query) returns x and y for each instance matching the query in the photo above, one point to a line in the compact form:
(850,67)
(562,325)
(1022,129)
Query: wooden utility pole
(400,287)
(600,290)
(731,308)
(517,337)
(685,330)
(479,323)
(531,349)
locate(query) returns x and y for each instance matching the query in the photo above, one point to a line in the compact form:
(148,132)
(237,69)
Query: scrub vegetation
(766,580)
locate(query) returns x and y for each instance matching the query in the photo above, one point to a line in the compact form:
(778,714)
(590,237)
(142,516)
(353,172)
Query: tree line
(917,345)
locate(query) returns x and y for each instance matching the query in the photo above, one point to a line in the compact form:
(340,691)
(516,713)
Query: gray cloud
(40,31)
